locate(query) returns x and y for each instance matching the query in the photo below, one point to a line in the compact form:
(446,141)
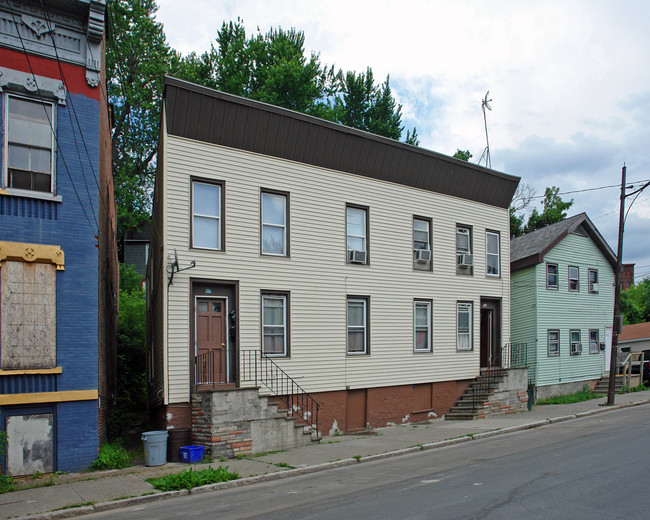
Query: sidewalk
(82,493)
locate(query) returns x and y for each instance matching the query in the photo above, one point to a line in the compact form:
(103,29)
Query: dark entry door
(490,333)
(211,350)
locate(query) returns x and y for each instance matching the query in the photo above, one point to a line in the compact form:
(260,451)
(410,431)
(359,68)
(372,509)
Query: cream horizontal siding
(317,276)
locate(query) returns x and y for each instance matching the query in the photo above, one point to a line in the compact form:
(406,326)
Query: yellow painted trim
(33,253)
(4,192)
(49,397)
(31,371)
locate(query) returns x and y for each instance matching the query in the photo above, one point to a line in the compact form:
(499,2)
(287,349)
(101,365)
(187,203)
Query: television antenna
(486,152)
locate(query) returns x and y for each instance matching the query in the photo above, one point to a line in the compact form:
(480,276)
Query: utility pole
(616,329)
(613,358)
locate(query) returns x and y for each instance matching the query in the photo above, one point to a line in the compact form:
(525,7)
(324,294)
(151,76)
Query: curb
(144,499)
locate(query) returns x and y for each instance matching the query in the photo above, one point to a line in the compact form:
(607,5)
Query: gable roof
(208,115)
(636,332)
(530,249)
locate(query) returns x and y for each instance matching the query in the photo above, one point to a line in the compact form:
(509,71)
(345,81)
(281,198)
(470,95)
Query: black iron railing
(483,385)
(259,369)
(207,368)
(516,354)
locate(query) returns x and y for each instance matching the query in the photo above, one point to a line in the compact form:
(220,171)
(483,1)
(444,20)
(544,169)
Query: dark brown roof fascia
(208,115)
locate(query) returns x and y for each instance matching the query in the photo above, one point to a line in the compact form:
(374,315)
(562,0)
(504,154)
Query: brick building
(58,269)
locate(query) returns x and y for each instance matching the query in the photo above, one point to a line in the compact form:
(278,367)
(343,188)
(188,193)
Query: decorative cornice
(38,253)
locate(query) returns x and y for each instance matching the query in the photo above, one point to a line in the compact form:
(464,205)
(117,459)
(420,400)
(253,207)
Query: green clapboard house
(562,294)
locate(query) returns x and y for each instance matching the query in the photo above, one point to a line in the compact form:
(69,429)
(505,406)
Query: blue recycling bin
(155,447)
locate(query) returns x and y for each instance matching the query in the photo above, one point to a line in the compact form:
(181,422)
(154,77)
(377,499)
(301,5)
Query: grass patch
(188,479)
(112,455)
(358,457)
(284,465)
(6,484)
(640,388)
(578,397)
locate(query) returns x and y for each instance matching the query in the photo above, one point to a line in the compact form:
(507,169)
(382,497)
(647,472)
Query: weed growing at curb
(284,465)
(188,479)
(71,506)
(357,457)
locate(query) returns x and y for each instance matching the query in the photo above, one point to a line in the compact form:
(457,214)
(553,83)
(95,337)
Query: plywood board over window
(28,314)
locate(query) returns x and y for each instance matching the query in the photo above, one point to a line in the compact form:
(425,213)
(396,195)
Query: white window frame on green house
(207,209)
(492,254)
(553,342)
(464,331)
(272,328)
(274,223)
(356,327)
(594,341)
(574,278)
(422,309)
(27,137)
(593,281)
(575,345)
(549,274)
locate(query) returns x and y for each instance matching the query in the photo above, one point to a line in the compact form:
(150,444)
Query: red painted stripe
(74,75)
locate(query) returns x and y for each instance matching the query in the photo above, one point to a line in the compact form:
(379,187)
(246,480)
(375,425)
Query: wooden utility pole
(613,358)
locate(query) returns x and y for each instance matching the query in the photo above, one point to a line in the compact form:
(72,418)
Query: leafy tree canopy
(463,155)
(554,210)
(635,303)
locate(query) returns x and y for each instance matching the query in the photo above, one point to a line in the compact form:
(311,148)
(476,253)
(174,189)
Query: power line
(591,189)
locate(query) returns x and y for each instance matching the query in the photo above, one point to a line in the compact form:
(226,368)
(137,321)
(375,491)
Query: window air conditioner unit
(594,287)
(422,255)
(357,257)
(465,260)
(576,349)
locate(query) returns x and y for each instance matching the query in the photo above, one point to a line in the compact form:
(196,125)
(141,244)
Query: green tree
(635,303)
(131,399)
(412,137)
(554,210)
(137,57)
(463,155)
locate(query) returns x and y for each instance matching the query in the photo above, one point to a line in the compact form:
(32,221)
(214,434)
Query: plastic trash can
(155,447)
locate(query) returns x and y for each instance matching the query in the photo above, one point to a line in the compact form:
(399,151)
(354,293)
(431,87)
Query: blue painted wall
(71,224)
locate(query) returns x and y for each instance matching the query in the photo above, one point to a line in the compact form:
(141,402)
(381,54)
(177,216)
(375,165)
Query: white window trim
(550,353)
(365,229)
(497,254)
(590,283)
(365,326)
(469,308)
(282,297)
(577,278)
(429,328)
(218,218)
(557,277)
(283,226)
(597,349)
(45,195)
(571,342)
(464,230)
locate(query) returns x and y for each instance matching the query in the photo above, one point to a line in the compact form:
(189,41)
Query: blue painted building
(56,225)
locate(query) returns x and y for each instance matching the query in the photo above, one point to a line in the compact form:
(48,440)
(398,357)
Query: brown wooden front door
(211,350)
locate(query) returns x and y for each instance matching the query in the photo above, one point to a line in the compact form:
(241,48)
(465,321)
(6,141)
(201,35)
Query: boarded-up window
(28,313)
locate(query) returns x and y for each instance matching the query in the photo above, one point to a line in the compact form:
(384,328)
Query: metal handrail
(259,369)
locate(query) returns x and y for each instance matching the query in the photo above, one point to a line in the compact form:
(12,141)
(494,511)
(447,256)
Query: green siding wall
(523,314)
(565,310)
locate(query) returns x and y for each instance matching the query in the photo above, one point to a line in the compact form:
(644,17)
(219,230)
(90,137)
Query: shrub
(188,479)
(6,484)
(112,456)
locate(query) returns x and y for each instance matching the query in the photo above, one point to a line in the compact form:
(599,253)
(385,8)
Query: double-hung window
(576,346)
(422,326)
(274,324)
(274,224)
(553,341)
(30,145)
(357,234)
(593,281)
(594,341)
(574,279)
(207,219)
(492,260)
(464,258)
(422,243)
(464,326)
(357,325)
(551,276)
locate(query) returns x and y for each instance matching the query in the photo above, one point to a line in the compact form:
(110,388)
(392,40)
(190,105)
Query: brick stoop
(231,422)
(501,396)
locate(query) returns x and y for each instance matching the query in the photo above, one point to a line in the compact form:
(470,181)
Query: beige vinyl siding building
(311,285)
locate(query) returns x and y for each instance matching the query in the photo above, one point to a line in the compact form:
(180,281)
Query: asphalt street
(591,468)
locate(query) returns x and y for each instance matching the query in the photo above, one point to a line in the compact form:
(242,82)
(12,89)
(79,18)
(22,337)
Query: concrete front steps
(468,407)
(238,421)
(602,386)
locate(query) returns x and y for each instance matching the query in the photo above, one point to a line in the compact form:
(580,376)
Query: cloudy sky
(569,83)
